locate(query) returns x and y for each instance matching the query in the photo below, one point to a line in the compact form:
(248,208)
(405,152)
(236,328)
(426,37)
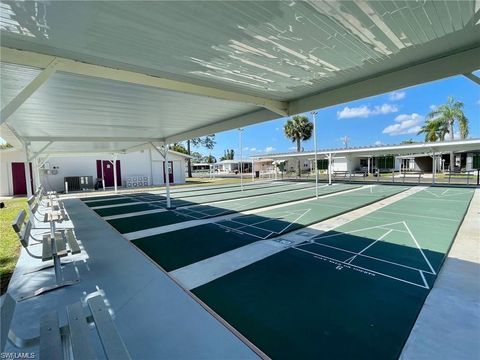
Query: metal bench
(54,246)
(340,174)
(74,336)
(413,174)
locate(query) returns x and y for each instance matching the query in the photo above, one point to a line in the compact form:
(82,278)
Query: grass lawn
(9,244)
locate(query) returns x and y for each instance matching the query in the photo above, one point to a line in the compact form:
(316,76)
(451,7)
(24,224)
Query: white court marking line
(454,193)
(367,247)
(383,225)
(363,255)
(362,268)
(443,193)
(414,215)
(206,212)
(355,231)
(419,248)
(253,225)
(113,198)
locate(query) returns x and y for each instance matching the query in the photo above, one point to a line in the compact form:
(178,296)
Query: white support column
(167,177)
(434,167)
(27,91)
(368,165)
(115,171)
(28,174)
(253,175)
(36,179)
(329,168)
(314,114)
(241,158)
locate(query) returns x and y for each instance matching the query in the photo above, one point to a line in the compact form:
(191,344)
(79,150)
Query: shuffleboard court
(183,247)
(209,191)
(141,222)
(363,283)
(191,201)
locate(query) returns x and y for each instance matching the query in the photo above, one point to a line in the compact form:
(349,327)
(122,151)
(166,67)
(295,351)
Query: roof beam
(88,139)
(28,91)
(473,77)
(32,59)
(429,70)
(224,125)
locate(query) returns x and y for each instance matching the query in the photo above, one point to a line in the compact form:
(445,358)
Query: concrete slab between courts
(155,317)
(207,270)
(448,326)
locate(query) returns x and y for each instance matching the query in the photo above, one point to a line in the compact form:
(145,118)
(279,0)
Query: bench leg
(40,268)
(59,281)
(46,289)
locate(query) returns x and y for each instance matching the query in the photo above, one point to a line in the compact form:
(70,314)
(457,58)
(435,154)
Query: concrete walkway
(448,326)
(155,317)
(207,270)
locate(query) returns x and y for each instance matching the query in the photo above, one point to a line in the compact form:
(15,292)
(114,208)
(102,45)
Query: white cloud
(378,143)
(433,107)
(292,148)
(269,149)
(366,111)
(405,124)
(396,95)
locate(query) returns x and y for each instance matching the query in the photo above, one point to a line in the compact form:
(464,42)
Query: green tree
(178,147)
(206,141)
(197,157)
(449,114)
(298,129)
(228,154)
(434,130)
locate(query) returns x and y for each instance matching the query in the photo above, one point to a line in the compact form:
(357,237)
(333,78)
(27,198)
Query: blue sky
(385,119)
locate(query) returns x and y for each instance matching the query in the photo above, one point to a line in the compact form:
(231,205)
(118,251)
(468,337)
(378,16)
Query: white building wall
(145,163)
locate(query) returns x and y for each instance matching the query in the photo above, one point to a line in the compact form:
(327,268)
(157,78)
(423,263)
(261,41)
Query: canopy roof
(401,149)
(114,76)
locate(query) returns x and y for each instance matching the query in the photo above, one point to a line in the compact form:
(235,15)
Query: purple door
(19,178)
(107,173)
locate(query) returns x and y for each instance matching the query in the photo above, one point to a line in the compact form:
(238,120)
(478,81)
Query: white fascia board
(460,63)
(32,59)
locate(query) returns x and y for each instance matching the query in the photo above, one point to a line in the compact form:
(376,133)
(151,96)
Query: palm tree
(434,130)
(297,129)
(448,114)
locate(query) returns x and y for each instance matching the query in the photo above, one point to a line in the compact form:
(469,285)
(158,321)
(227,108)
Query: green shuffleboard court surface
(126,209)
(146,221)
(119,200)
(354,292)
(160,201)
(183,247)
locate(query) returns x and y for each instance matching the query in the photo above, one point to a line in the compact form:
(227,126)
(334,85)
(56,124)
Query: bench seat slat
(79,333)
(50,338)
(72,242)
(60,245)
(19,221)
(46,248)
(112,343)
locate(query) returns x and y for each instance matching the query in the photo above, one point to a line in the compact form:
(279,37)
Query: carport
(114,77)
